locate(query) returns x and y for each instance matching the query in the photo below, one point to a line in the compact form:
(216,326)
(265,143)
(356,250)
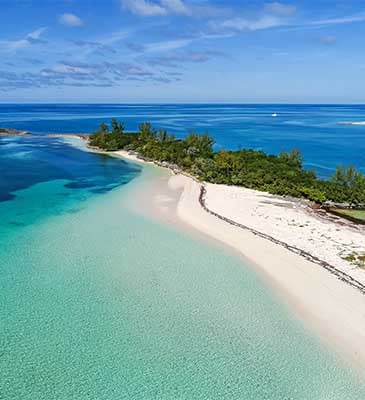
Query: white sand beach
(292,222)
(331,308)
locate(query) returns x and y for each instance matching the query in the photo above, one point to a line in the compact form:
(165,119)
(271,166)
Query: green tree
(146,133)
(198,146)
(294,157)
(283,174)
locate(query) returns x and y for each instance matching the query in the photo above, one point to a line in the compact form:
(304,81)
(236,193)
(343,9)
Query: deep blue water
(42,176)
(314,129)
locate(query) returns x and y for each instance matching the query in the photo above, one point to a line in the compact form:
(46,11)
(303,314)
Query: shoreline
(344,271)
(337,265)
(12,132)
(332,310)
(343,276)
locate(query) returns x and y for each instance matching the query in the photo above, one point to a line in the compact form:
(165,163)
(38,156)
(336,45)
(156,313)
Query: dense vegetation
(282,174)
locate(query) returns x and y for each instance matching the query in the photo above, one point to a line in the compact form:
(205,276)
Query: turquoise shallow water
(97,302)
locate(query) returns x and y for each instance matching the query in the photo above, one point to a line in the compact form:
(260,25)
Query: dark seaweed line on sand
(335,271)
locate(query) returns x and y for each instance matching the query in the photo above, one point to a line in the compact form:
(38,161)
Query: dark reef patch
(50,158)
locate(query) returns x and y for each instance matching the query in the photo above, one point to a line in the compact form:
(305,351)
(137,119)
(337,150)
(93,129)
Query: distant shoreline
(12,132)
(17,132)
(352,123)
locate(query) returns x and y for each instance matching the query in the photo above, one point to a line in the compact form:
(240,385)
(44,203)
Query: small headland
(12,132)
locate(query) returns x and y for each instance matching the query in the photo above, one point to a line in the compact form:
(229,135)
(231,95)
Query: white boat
(274,115)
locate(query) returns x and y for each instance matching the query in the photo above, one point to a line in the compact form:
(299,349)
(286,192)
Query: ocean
(313,129)
(99,302)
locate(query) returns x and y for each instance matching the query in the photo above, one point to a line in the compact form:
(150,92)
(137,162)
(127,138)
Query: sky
(123,51)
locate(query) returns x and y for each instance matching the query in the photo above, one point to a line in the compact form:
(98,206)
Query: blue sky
(304,51)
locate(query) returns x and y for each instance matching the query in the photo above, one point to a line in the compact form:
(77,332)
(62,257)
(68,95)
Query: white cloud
(341,20)
(269,20)
(321,23)
(70,69)
(149,8)
(280,8)
(144,8)
(175,6)
(167,45)
(35,35)
(243,24)
(70,20)
(28,40)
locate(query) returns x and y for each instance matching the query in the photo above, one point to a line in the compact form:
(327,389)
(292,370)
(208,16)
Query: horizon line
(181,103)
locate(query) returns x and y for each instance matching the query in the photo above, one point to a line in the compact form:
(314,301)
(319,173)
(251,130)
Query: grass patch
(355,214)
(356,259)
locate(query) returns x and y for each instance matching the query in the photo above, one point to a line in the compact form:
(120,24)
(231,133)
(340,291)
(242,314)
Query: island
(273,196)
(281,174)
